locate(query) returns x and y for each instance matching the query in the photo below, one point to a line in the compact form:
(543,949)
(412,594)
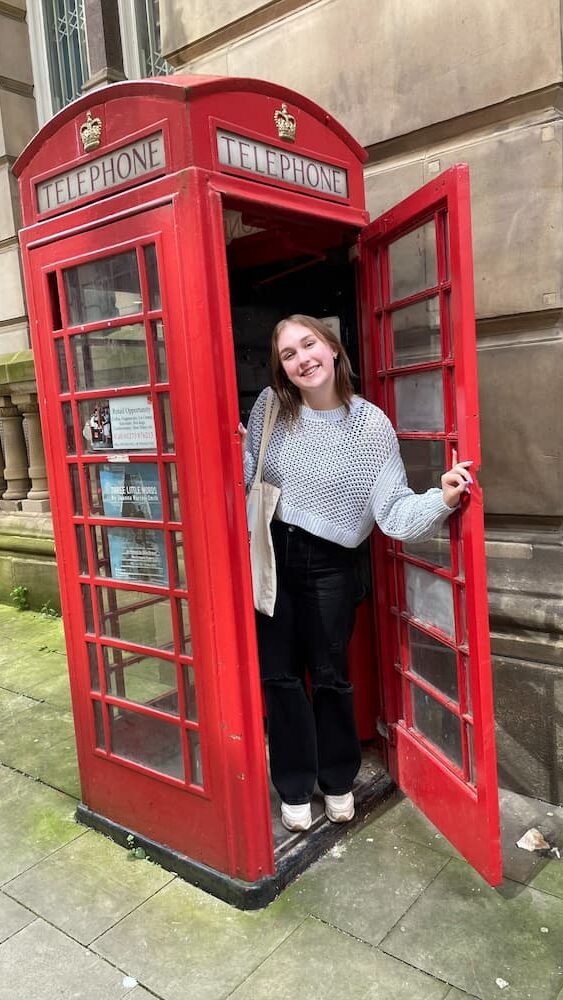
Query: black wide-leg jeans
(310,738)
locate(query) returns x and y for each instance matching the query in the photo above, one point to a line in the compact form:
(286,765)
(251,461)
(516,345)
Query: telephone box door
(419,361)
(167,746)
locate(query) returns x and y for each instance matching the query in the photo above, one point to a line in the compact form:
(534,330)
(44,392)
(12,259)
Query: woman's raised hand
(242,432)
(456,481)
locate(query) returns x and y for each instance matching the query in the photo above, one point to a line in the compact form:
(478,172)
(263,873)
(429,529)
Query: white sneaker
(296,818)
(340,808)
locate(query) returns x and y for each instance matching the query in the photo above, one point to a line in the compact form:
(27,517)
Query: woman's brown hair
(288,393)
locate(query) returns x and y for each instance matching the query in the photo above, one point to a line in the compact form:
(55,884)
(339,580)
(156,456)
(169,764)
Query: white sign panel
(132,423)
(282,165)
(125,165)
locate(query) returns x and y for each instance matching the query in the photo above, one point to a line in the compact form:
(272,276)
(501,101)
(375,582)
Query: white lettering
(253,157)
(103,173)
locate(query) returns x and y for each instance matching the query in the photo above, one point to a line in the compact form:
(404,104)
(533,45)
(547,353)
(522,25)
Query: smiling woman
(335,458)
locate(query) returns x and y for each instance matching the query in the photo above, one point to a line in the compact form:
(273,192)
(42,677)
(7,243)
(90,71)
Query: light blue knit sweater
(339,473)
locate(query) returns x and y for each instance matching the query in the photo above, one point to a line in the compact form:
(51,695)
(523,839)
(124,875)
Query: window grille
(65,37)
(147,16)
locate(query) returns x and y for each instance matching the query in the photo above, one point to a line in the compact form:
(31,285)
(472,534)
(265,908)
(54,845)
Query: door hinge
(387,732)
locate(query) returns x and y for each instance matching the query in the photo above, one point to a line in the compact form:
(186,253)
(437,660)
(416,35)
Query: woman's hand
(242,433)
(456,481)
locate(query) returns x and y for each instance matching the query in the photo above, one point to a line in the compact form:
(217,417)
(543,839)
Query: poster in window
(137,555)
(132,423)
(125,423)
(131,490)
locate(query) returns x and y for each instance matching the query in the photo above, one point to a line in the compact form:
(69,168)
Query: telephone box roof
(188,88)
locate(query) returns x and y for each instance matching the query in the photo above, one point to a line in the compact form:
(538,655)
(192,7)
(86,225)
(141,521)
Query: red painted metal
(225,820)
(459,796)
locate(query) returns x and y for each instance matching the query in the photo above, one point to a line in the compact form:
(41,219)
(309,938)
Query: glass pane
(439,726)
(178,546)
(195,758)
(61,361)
(436,550)
(425,463)
(144,679)
(87,603)
(103,289)
(82,551)
(191,702)
(125,489)
(412,262)
(429,598)
(101,552)
(471,752)
(419,402)
(54,301)
(434,662)
(135,617)
(173,491)
(99,725)
(166,422)
(416,333)
(123,423)
(185,627)
(159,351)
(148,741)
(152,277)
(466,670)
(69,429)
(93,664)
(75,488)
(136,555)
(107,358)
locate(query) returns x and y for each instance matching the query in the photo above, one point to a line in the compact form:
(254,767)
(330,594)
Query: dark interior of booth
(277,266)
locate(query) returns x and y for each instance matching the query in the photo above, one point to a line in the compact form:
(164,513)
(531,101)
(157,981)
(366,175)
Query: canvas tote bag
(260,505)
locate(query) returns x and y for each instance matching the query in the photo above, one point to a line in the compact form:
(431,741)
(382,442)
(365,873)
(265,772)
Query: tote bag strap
(270,417)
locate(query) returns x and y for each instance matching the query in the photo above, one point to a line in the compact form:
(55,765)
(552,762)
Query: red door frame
(463,805)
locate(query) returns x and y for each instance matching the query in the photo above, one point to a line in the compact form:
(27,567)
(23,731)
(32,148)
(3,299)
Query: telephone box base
(248,895)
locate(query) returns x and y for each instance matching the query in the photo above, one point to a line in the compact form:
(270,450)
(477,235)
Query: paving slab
(34,822)
(399,818)
(518,814)
(12,917)
(53,689)
(23,746)
(27,671)
(366,882)
(87,886)
(58,767)
(462,931)
(321,963)
(183,938)
(460,995)
(41,963)
(11,704)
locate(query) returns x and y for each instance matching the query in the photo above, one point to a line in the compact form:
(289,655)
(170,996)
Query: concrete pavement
(390,913)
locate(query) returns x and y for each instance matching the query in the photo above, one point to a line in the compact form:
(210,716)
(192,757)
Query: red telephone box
(168,224)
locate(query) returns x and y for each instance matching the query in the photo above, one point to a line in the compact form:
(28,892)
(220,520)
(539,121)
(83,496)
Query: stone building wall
(18,122)
(424,85)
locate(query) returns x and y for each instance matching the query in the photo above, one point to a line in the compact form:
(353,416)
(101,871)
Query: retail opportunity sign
(242,153)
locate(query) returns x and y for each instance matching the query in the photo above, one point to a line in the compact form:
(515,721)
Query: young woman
(335,458)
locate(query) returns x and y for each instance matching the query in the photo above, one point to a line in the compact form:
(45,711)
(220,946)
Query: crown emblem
(90,132)
(285,124)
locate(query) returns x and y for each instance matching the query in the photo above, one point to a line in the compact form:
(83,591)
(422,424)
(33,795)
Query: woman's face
(307,359)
